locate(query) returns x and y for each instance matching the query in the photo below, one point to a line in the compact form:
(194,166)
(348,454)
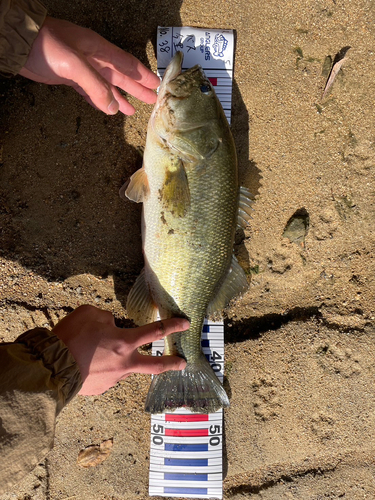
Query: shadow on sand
(64,162)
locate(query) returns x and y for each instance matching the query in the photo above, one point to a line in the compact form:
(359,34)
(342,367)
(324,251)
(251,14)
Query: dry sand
(300,365)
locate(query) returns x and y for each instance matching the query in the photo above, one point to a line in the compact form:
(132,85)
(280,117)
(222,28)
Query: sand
(299,344)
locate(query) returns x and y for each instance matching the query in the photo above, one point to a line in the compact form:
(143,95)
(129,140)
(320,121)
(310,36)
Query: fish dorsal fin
(139,305)
(175,192)
(244,207)
(234,283)
(138,188)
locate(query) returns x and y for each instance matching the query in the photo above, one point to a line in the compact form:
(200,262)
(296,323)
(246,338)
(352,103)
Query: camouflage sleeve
(38,377)
(20,22)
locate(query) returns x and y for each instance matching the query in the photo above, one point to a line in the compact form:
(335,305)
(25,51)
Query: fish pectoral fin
(234,283)
(176,193)
(244,207)
(139,305)
(138,187)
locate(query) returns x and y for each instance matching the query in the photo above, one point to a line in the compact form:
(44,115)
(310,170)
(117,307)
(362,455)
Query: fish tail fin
(196,387)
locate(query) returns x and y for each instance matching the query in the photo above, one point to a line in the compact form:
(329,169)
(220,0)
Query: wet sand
(299,344)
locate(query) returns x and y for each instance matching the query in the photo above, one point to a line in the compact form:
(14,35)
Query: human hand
(106,354)
(64,53)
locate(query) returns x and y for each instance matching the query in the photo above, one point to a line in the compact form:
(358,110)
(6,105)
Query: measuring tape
(186,458)
(186,452)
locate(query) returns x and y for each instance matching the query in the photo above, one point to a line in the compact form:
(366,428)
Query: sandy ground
(300,366)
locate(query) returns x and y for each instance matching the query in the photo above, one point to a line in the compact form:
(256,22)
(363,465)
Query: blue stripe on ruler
(192,491)
(170,476)
(188,462)
(185,447)
(205,343)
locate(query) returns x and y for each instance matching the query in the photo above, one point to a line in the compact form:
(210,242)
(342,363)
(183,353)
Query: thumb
(95,87)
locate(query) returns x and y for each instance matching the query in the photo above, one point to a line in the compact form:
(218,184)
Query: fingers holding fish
(157,330)
(142,363)
(123,63)
(130,86)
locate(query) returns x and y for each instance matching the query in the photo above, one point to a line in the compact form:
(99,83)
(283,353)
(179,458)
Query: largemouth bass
(191,204)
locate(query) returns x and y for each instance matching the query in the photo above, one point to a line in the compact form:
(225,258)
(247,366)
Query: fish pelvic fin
(138,188)
(139,305)
(196,388)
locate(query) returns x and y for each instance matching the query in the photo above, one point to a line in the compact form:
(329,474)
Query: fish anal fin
(138,188)
(175,193)
(140,305)
(234,284)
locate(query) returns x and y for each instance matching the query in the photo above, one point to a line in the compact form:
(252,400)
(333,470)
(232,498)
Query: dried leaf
(95,454)
(336,66)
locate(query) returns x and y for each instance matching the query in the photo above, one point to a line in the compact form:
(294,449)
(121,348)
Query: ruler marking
(196,417)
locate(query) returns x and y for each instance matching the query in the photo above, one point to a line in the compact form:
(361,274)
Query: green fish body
(191,206)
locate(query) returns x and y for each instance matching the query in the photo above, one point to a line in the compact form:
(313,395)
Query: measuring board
(186,456)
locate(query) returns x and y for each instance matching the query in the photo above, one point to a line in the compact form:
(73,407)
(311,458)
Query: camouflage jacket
(38,375)
(20,21)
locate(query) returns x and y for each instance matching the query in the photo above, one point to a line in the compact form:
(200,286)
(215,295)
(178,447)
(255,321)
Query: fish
(192,202)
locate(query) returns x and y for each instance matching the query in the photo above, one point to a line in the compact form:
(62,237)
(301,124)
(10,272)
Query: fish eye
(206,89)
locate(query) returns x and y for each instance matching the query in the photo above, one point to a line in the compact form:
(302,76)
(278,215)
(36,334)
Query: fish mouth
(173,70)
(177,83)
(176,86)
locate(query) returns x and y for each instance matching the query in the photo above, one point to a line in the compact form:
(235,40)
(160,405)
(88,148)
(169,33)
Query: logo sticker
(219,45)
